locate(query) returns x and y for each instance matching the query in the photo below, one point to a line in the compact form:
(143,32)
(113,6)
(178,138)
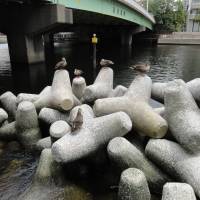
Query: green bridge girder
(113,8)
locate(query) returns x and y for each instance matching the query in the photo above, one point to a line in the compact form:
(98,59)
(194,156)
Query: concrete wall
(180,38)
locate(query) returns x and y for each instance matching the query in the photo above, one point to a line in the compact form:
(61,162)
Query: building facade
(192,8)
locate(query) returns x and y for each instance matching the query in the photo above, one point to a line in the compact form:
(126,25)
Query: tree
(169,15)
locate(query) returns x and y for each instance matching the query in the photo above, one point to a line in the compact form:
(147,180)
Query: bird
(106,63)
(78,120)
(141,68)
(78,72)
(62,64)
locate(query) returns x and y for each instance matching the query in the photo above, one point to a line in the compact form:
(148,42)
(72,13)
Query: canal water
(167,63)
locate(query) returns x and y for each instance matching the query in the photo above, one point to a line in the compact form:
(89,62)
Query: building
(192,8)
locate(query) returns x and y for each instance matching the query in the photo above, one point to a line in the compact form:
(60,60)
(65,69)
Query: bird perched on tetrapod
(61,65)
(77,121)
(141,68)
(106,63)
(78,72)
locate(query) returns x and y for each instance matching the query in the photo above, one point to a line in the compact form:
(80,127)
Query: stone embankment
(182,38)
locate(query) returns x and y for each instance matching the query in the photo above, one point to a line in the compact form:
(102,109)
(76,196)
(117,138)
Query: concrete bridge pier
(25,26)
(25,49)
(126,38)
(127,34)
(48,46)
(48,41)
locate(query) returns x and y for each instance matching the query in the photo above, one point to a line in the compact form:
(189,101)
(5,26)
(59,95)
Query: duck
(141,68)
(78,120)
(106,63)
(78,72)
(61,64)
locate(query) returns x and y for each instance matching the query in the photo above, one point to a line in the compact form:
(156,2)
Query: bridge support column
(48,41)
(25,49)
(127,34)
(25,25)
(126,38)
(49,48)
(48,45)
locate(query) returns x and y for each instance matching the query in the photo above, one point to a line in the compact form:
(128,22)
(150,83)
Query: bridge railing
(139,8)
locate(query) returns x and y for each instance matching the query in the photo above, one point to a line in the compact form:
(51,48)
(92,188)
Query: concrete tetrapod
(28,131)
(78,86)
(45,100)
(126,155)
(102,86)
(48,172)
(160,111)
(8,132)
(158,90)
(47,168)
(94,134)
(61,90)
(3,115)
(133,185)
(25,128)
(119,91)
(44,143)
(135,104)
(9,103)
(172,158)
(178,191)
(58,96)
(27,97)
(58,129)
(183,115)
(193,86)
(49,115)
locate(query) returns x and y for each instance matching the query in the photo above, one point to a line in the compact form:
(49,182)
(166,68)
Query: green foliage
(169,15)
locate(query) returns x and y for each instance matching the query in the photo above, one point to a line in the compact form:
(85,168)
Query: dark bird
(141,68)
(106,63)
(78,120)
(78,72)
(62,64)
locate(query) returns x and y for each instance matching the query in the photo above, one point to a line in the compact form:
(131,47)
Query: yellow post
(94,39)
(94,42)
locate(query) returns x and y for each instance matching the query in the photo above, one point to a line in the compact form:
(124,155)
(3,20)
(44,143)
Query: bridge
(28,24)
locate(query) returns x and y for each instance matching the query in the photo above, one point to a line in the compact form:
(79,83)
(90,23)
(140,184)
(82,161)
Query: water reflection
(30,79)
(5,69)
(167,63)
(16,172)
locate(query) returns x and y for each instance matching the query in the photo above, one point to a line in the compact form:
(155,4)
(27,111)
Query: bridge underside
(125,10)
(28,25)
(82,17)
(121,10)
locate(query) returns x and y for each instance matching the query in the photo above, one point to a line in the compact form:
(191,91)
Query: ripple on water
(16,172)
